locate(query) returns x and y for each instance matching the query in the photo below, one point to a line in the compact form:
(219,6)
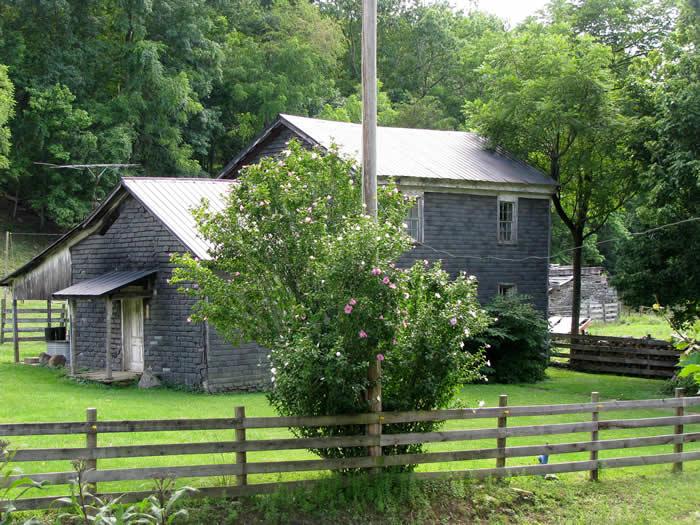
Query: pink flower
(348,309)
(426,262)
(381,317)
(386,279)
(453,321)
(392,286)
(362,334)
(189,319)
(376,271)
(352,302)
(380,357)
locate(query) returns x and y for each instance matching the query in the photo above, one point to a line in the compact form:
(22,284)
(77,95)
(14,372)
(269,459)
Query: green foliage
(11,491)
(299,268)
(516,341)
(350,108)
(550,98)
(164,507)
(7,105)
(660,267)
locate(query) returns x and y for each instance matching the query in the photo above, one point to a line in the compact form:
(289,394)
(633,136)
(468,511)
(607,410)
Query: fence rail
(620,355)
(17,320)
(242,468)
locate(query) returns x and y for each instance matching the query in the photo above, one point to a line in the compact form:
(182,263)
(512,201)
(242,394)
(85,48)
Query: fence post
(595,397)
(374,393)
(678,429)
(15,330)
(3,318)
(91,443)
(241,456)
(48,313)
(501,441)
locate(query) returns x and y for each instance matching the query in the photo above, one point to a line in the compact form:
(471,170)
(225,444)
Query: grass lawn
(634,325)
(39,394)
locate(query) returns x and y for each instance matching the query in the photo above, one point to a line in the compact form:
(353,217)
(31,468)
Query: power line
(548,257)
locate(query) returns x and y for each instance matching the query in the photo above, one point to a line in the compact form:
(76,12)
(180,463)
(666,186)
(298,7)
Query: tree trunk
(577,256)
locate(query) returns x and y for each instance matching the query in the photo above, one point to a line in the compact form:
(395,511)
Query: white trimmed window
(414,219)
(507,219)
(507,289)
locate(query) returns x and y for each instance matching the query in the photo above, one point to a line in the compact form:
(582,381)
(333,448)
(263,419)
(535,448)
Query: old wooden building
(478,210)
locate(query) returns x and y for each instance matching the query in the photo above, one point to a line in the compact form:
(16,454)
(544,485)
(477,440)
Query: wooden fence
(616,355)
(243,469)
(24,324)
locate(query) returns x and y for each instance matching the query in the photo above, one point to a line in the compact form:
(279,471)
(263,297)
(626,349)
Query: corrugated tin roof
(423,153)
(104,284)
(172,200)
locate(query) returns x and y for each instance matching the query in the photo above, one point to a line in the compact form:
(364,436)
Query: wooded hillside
(589,91)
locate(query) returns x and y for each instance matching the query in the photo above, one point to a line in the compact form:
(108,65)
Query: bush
(517,346)
(298,267)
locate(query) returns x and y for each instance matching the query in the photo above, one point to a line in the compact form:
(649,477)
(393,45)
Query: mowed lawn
(634,325)
(32,394)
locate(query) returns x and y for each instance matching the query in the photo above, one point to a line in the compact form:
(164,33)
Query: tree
(549,99)
(7,105)
(53,130)
(661,267)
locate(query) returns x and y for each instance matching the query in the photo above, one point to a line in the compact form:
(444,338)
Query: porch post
(73,334)
(108,337)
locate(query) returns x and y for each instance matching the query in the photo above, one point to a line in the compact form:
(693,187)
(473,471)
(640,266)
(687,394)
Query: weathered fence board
(243,467)
(619,355)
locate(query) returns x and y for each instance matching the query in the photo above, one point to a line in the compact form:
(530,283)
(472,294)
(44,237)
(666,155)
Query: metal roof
(423,153)
(104,284)
(172,201)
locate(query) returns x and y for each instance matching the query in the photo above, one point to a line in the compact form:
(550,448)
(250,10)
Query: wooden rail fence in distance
(24,324)
(239,446)
(616,355)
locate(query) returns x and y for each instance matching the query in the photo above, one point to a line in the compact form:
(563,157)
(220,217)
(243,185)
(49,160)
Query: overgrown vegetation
(516,341)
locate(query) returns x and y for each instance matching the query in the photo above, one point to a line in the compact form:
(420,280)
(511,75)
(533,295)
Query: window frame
(504,289)
(513,199)
(421,217)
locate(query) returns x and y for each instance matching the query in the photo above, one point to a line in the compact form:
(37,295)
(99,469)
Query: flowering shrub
(298,267)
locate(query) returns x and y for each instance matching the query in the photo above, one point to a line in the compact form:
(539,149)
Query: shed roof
(104,284)
(414,153)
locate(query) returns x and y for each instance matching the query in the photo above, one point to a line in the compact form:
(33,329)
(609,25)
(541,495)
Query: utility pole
(369,188)
(369,106)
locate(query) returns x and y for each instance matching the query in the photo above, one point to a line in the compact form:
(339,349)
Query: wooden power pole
(369,106)
(369,182)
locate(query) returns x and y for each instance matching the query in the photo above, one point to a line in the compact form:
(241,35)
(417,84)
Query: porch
(133,289)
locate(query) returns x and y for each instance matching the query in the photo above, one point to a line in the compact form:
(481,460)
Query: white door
(132,334)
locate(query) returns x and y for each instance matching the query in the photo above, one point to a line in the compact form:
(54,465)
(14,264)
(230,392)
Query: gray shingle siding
(465,225)
(138,240)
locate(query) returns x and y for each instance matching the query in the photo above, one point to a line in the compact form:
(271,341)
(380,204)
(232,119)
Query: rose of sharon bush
(298,267)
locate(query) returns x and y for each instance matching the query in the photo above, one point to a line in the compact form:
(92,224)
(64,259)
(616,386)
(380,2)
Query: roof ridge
(462,132)
(176,179)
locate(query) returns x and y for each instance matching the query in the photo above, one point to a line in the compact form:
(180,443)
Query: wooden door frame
(125,365)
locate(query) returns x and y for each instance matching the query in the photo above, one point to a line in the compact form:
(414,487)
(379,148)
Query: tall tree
(7,106)
(549,99)
(662,265)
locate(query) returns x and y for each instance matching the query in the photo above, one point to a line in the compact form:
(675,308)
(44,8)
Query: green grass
(39,394)
(634,325)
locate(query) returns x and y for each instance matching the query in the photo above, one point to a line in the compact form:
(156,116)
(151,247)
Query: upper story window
(507,220)
(414,220)
(507,289)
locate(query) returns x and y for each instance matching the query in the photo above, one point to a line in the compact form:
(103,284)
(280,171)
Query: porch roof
(104,284)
